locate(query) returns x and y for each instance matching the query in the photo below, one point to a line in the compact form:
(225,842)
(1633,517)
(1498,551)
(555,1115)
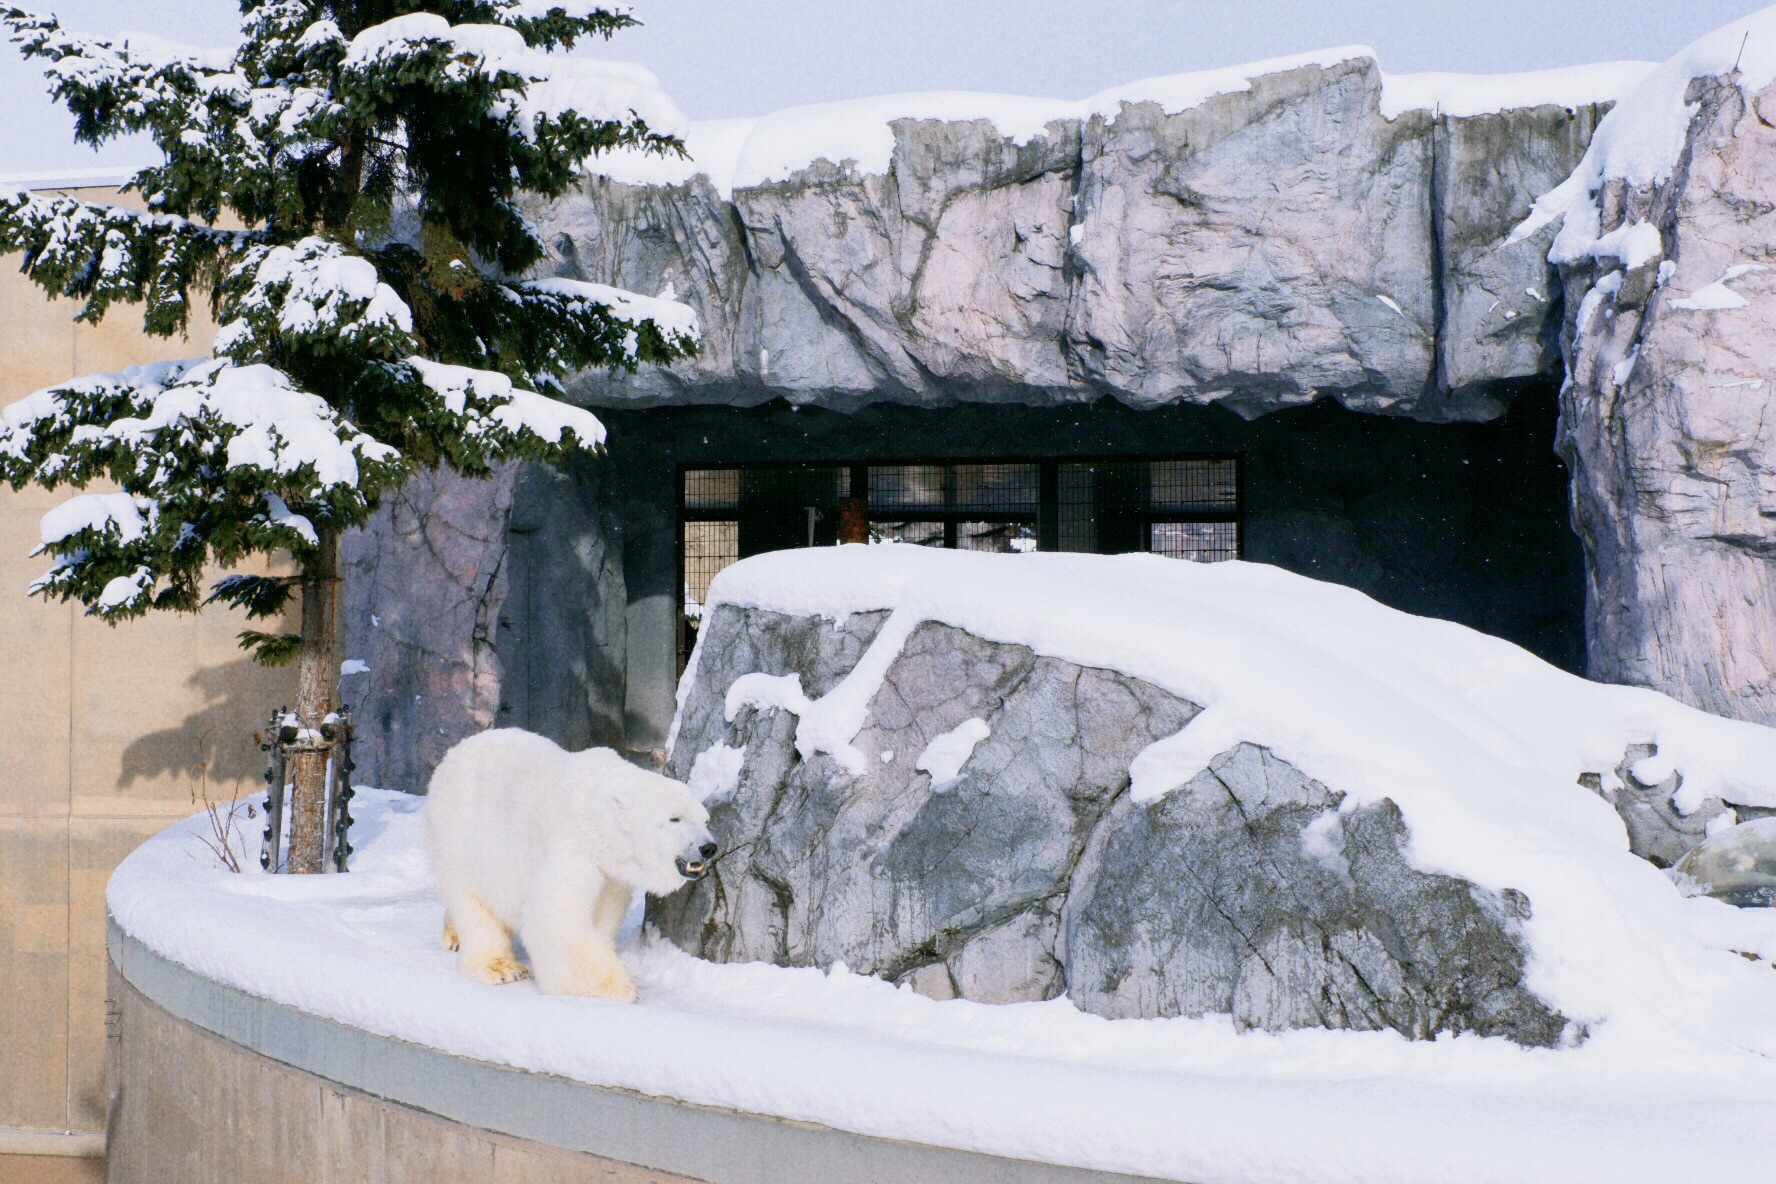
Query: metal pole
(270,847)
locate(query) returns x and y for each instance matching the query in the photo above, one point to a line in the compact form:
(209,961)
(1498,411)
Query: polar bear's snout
(693,862)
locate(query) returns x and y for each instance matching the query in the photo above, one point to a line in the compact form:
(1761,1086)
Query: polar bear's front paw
(590,980)
(451,941)
(619,987)
(496,970)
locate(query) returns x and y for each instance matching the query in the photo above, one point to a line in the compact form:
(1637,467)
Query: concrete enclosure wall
(106,736)
(211,1085)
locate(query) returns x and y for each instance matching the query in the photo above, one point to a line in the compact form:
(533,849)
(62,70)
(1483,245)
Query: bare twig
(224,817)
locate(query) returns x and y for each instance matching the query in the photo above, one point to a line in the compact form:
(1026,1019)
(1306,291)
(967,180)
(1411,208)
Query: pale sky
(722,58)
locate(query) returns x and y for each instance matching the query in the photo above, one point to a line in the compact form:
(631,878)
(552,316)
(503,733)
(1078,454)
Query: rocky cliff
(1306,233)
(1293,239)
(1665,418)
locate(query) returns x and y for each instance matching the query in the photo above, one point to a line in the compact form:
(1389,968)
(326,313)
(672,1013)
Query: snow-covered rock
(1737,864)
(1261,236)
(1664,416)
(1200,789)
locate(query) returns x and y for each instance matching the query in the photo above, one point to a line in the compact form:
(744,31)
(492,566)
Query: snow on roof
(738,153)
(1479,743)
(1639,141)
(106,177)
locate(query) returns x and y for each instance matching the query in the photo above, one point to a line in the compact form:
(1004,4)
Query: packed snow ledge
(744,153)
(1479,744)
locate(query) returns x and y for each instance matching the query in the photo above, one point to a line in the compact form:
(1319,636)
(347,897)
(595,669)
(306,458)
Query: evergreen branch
(113,88)
(552,24)
(103,253)
(257,596)
(270,649)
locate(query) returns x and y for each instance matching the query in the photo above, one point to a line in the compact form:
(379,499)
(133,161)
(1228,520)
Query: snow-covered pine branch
(375,316)
(103,253)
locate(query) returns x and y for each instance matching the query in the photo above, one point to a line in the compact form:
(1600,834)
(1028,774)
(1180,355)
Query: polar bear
(528,838)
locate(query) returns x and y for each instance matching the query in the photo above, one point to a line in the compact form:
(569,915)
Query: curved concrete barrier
(211,1085)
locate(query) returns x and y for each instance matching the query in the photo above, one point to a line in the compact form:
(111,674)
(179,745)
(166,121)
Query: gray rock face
(1665,424)
(1033,874)
(1657,832)
(424,582)
(1263,249)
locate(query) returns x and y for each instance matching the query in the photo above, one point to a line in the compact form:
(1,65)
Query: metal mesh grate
(1182,507)
(1185,508)
(1203,542)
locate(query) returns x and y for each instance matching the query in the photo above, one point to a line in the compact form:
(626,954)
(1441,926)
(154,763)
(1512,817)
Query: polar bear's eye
(675,820)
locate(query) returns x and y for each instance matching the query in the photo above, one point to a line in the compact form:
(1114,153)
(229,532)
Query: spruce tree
(343,188)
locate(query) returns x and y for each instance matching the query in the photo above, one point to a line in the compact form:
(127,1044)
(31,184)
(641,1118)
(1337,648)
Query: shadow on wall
(216,746)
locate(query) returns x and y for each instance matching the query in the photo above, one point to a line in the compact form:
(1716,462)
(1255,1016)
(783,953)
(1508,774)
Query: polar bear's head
(662,831)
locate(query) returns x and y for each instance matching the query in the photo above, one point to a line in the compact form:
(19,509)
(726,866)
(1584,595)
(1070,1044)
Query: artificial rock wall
(1263,250)
(1666,425)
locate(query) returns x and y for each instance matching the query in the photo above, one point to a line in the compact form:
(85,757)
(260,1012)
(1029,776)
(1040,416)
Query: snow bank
(1179,1099)
(1485,94)
(1641,138)
(740,153)
(1478,742)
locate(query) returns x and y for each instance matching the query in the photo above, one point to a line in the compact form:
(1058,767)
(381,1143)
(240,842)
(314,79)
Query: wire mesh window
(1183,507)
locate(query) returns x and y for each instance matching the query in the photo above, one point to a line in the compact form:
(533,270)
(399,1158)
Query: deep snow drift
(1479,743)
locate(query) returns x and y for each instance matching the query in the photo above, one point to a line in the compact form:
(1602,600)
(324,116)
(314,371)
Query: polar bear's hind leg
(484,945)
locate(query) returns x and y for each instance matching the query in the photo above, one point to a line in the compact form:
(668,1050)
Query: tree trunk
(317,696)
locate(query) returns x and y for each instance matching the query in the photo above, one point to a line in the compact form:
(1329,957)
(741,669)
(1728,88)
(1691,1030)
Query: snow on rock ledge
(1347,817)
(1259,236)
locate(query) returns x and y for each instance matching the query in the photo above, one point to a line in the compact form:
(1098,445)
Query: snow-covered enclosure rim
(349,959)
(719,1145)
(741,153)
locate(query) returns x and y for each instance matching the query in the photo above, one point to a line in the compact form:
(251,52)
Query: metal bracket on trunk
(333,739)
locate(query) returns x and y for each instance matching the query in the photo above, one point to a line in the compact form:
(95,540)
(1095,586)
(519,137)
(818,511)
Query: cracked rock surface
(1034,874)
(1665,420)
(1262,249)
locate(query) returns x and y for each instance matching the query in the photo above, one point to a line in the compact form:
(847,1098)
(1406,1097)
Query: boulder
(983,843)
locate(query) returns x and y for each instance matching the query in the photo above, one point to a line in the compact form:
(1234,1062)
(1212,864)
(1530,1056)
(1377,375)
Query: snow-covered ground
(1479,743)
(1186,1099)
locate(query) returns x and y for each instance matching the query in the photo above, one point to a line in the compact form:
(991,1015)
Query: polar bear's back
(490,810)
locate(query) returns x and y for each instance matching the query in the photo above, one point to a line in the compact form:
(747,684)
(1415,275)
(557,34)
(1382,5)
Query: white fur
(528,838)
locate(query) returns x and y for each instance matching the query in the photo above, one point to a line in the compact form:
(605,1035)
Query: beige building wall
(107,735)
